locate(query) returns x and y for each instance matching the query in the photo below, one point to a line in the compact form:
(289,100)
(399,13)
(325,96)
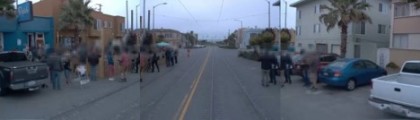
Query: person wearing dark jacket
(274,70)
(56,67)
(155,59)
(266,64)
(286,63)
(93,60)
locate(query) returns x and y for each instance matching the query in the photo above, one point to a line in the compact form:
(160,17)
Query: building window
(360,28)
(122,27)
(317,8)
(298,30)
(381,7)
(168,35)
(310,46)
(299,14)
(381,29)
(405,9)
(110,24)
(400,41)
(317,28)
(98,24)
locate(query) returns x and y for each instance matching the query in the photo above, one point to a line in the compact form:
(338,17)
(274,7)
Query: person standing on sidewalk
(266,64)
(110,68)
(56,67)
(286,63)
(168,57)
(274,69)
(313,63)
(176,56)
(155,60)
(125,64)
(67,68)
(93,60)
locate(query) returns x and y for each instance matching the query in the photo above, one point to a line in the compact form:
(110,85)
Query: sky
(211,19)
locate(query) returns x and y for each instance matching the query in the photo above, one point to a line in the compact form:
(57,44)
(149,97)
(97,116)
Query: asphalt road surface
(211,84)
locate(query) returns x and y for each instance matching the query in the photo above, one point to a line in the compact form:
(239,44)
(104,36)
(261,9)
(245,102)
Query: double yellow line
(188,98)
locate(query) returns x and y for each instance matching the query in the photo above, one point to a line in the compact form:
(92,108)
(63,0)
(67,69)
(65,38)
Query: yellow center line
(186,104)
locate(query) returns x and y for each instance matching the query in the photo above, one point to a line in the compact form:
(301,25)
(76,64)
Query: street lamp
(154,12)
(269,13)
(242,25)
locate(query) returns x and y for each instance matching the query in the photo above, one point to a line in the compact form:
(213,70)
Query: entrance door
(356,51)
(31,40)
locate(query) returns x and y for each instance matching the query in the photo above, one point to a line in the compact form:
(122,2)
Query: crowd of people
(271,67)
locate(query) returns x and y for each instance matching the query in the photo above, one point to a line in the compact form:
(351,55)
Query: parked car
(324,59)
(398,93)
(350,73)
(17,73)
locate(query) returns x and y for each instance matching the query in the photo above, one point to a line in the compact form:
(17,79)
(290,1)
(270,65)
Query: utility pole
(126,12)
(144,12)
(285,15)
(148,20)
(269,14)
(132,16)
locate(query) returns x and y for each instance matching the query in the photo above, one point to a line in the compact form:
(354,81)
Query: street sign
(25,12)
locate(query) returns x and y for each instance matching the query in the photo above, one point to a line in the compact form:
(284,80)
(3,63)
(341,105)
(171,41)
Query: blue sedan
(350,73)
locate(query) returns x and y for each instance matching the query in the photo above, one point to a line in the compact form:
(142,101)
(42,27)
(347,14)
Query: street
(211,84)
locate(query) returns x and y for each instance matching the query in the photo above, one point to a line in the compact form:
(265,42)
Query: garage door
(323,48)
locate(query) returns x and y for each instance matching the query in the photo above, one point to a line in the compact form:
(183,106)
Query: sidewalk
(47,103)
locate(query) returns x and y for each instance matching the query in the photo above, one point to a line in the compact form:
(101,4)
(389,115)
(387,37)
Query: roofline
(298,3)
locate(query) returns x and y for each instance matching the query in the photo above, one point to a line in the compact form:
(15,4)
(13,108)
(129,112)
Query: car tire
(3,91)
(351,85)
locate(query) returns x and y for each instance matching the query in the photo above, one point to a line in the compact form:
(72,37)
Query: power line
(221,9)
(188,12)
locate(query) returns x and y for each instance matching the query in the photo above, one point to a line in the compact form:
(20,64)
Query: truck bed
(398,88)
(402,78)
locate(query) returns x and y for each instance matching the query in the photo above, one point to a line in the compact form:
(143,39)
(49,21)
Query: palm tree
(7,9)
(342,13)
(76,15)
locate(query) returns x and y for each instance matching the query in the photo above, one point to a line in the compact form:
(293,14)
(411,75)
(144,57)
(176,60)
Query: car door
(372,70)
(359,72)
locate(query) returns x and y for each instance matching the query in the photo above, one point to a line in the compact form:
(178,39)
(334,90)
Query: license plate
(31,83)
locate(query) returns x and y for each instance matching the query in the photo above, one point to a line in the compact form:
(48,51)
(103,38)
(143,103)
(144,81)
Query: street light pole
(155,12)
(269,13)
(137,16)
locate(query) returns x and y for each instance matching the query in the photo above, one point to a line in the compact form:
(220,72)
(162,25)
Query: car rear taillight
(337,74)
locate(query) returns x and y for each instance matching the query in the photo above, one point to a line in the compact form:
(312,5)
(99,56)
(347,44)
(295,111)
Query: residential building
(363,38)
(244,35)
(106,28)
(35,33)
(405,34)
(173,37)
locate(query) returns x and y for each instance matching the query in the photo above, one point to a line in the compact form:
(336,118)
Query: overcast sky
(211,19)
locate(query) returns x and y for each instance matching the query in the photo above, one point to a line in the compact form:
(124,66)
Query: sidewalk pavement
(47,103)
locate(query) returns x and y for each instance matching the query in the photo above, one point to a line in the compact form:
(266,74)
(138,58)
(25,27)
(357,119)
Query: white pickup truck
(398,93)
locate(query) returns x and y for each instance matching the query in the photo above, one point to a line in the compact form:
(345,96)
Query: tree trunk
(343,46)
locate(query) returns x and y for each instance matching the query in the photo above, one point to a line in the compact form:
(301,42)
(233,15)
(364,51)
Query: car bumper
(334,81)
(28,84)
(395,108)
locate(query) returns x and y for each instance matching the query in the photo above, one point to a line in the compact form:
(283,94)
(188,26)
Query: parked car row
(396,93)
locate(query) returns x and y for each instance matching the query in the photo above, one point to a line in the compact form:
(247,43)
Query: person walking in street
(125,64)
(93,60)
(155,60)
(110,67)
(286,63)
(266,64)
(188,52)
(56,67)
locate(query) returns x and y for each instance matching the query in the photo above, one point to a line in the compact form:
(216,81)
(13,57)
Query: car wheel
(3,91)
(351,85)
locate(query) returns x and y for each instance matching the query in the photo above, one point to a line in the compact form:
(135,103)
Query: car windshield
(12,57)
(338,64)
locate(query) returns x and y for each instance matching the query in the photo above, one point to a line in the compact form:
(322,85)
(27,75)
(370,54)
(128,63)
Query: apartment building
(173,37)
(106,28)
(244,35)
(363,38)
